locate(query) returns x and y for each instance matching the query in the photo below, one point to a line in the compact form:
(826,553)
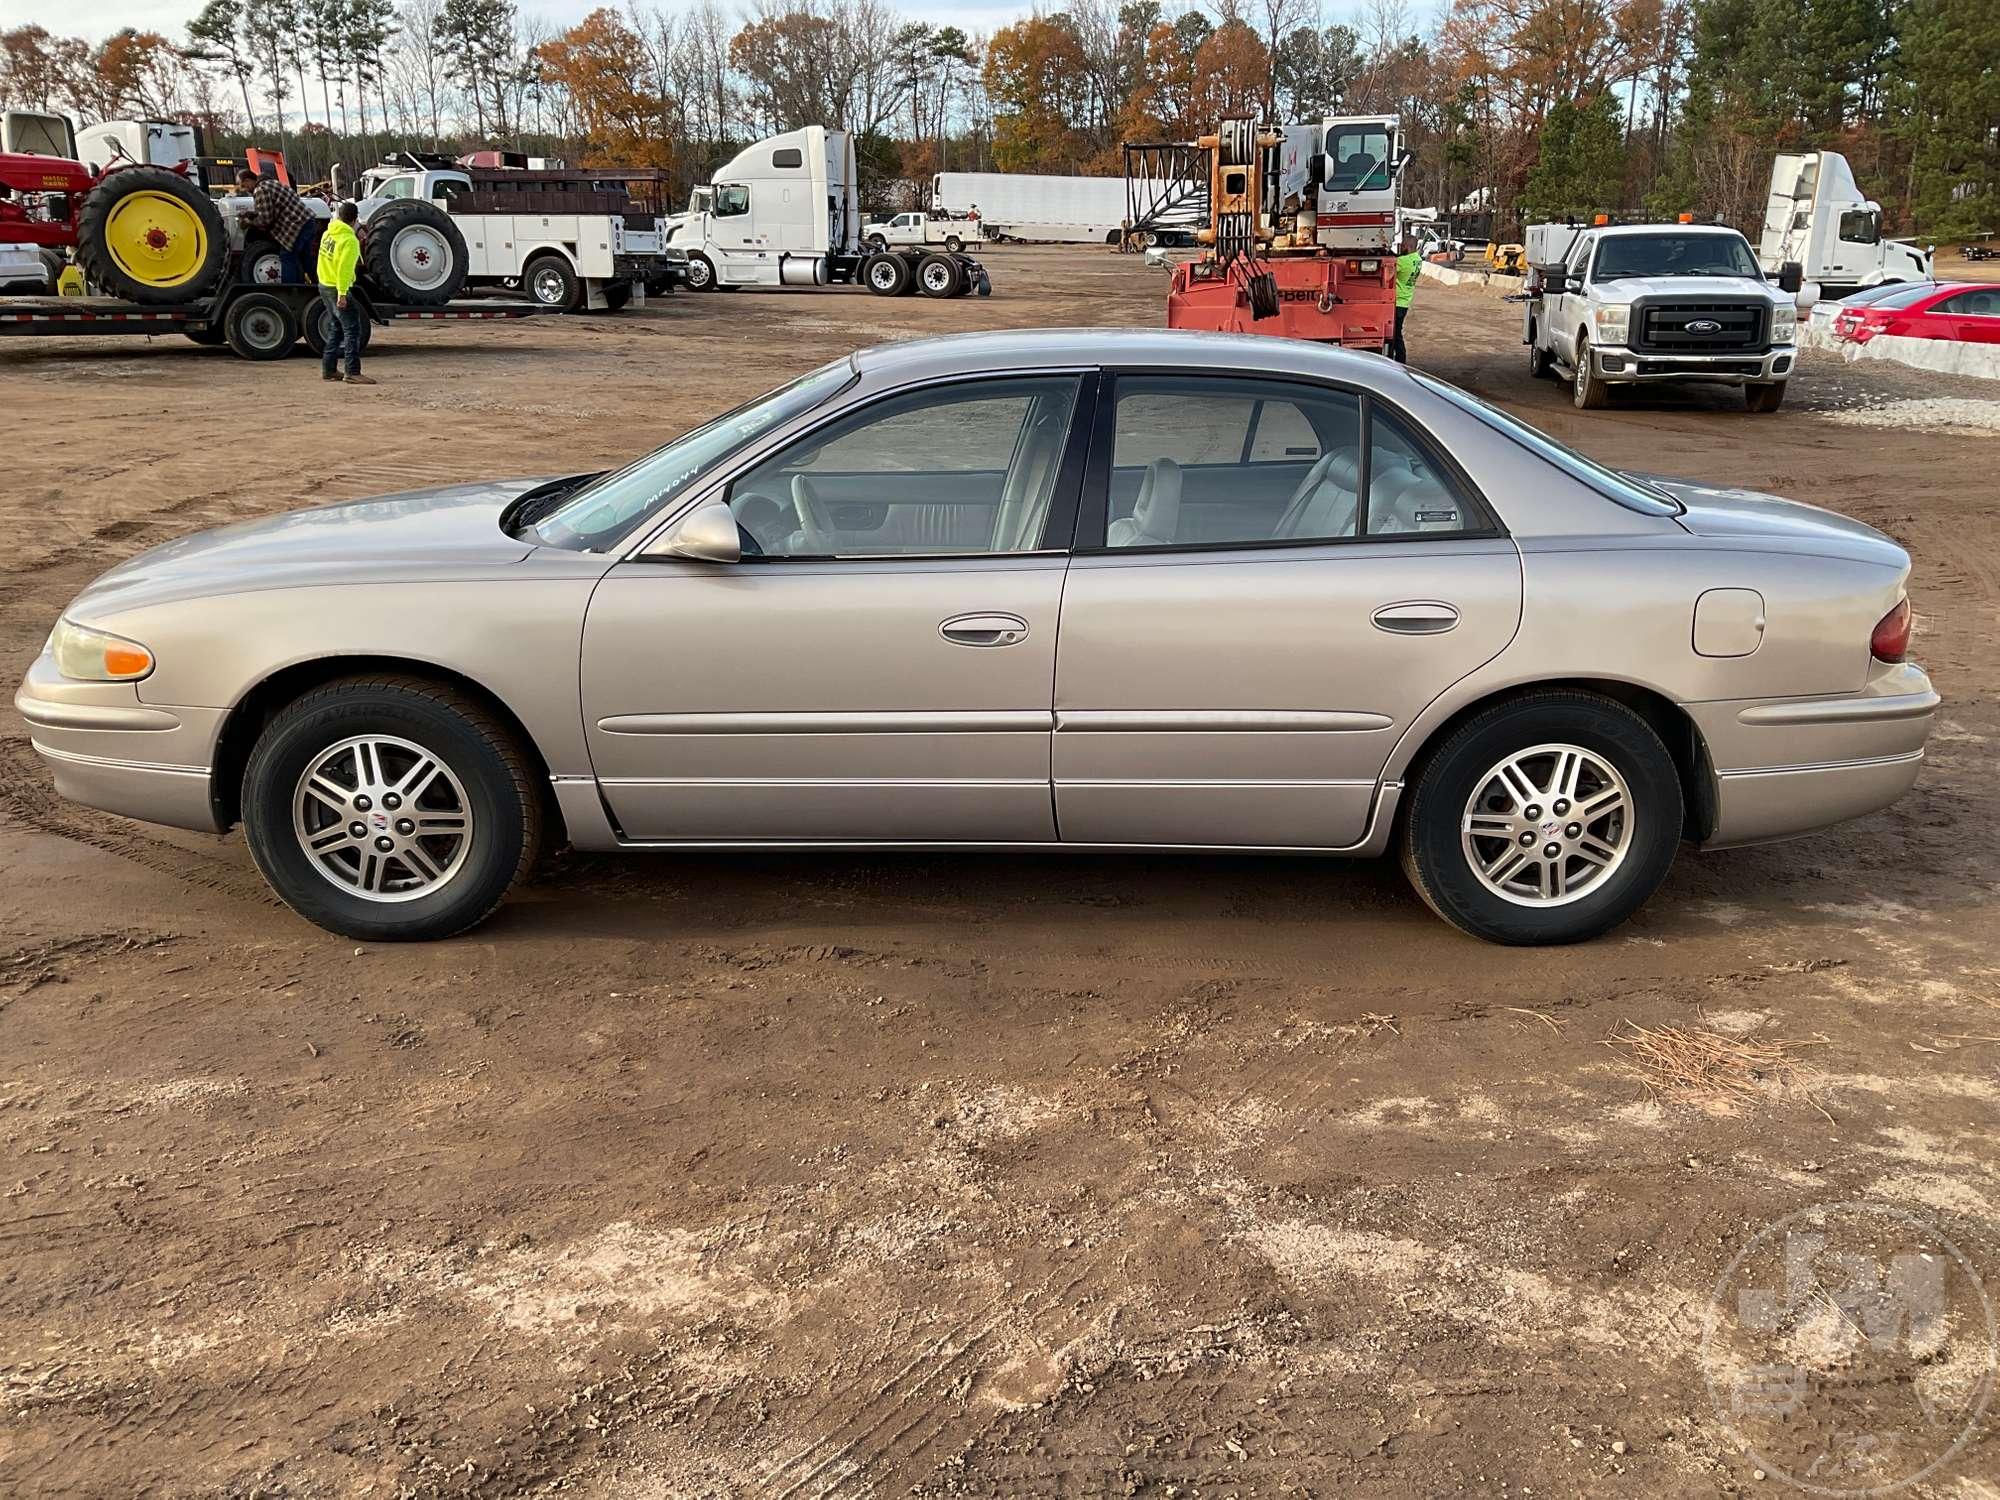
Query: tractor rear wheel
(414,253)
(150,235)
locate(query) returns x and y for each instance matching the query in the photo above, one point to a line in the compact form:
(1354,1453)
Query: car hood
(452,532)
(1721,512)
(1693,288)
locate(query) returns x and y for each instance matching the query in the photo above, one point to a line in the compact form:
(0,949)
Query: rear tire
(1454,865)
(953,243)
(1588,391)
(1538,357)
(886,275)
(431,885)
(414,253)
(939,276)
(552,284)
(260,325)
(617,296)
(1764,397)
(150,235)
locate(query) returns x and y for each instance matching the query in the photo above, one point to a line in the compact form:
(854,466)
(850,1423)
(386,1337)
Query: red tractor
(143,233)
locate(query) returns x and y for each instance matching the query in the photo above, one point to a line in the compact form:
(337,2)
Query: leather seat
(1325,501)
(1156,514)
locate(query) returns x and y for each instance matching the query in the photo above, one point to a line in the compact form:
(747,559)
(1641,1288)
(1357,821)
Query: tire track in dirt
(28,797)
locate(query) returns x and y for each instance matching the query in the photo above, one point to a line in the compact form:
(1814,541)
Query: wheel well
(1668,719)
(263,702)
(550,252)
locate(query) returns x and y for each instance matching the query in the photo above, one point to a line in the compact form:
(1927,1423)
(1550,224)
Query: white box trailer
(1031,206)
(1817,216)
(787,212)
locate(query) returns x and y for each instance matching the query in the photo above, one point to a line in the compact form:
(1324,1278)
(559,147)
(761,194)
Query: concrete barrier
(1484,280)
(1944,356)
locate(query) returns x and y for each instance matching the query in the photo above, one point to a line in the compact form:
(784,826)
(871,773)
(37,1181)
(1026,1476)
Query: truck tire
(1586,389)
(886,275)
(552,284)
(940,276)
(260,325)
(150,235)
(953,243)
(312,327)
(1765,396)
(414,253)
(876,242)
(701,273)
(208,338)
(1538,357)
(617,296)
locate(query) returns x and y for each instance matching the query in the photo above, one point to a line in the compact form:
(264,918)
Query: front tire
(1479,830)
(442,794)
(1764,397)
(1587,390)
(700,273)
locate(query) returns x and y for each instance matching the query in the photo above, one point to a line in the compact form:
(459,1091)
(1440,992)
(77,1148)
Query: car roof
(1626,229)
(1033,348)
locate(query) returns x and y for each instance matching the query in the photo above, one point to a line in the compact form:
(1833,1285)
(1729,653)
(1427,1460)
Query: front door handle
(984,630)
(1416,617)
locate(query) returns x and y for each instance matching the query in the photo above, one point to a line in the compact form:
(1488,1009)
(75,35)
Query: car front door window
(963,469)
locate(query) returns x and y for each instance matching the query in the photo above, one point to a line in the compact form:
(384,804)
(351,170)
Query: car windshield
(1628,491)
(1672,254)
(604,511)
(1358,159)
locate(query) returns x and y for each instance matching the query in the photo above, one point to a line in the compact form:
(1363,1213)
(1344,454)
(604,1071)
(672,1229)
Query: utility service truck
(921,229)
(1817,217)
(1626,304)
(786,212)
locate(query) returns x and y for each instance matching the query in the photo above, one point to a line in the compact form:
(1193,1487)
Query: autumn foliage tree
(599,68)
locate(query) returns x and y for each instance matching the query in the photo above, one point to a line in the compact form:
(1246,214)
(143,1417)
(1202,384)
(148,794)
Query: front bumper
(1791,766)
(1620,366)
(108,750)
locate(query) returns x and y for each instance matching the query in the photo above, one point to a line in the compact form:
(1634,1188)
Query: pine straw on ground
(1709,1067)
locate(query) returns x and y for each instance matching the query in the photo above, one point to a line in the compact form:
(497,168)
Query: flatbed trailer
(256,321)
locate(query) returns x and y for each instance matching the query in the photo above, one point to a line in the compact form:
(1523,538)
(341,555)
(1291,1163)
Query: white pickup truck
(921,229)
(1627,304)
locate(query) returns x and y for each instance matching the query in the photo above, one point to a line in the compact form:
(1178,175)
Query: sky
(100,18)
(97,19)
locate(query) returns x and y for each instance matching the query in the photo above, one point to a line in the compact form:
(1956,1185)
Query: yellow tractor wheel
(148,234)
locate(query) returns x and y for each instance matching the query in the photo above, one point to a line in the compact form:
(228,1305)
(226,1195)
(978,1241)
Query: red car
(1966,311)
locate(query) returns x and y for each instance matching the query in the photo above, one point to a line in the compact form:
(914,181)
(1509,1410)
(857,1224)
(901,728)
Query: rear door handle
(1416,617)
(984,630)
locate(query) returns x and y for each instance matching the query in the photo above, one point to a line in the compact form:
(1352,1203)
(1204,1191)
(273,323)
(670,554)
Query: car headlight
(96,656)
(1612,322)
(1784,324)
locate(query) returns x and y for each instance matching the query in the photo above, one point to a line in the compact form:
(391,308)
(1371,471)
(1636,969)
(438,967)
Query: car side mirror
(1403,159)
(1791,276)
(1553,280)
(705,534)
(1316,169)
(1807,297)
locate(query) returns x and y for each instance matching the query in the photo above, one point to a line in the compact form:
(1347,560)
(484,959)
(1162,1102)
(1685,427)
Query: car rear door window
(1200,462)
(962,469)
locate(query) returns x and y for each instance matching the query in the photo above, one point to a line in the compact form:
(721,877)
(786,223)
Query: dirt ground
(824,1175)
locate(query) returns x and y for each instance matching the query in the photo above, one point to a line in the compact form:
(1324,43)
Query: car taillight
(1891,640)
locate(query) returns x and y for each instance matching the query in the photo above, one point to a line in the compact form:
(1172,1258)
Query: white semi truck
(1817,216)
(787,212)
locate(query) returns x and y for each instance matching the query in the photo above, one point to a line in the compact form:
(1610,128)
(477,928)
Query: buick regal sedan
(1055,590)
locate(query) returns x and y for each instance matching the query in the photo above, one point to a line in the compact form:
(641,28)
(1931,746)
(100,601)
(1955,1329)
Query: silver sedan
(1078,590)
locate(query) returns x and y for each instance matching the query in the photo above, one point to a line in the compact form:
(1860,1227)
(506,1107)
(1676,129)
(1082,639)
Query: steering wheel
(760,522)
(813,525)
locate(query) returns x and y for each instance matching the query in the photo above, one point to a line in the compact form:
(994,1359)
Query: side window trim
(1093,514)
(1058,525)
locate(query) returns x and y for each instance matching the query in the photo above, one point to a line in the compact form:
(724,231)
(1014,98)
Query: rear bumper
(1622,366)
(1791,766)
(108,750)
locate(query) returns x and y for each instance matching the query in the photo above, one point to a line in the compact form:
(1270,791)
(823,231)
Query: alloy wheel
(1548,826)
(382,818)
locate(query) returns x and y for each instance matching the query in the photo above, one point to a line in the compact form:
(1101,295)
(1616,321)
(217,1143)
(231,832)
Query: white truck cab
(1627,304)
(1816,215)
